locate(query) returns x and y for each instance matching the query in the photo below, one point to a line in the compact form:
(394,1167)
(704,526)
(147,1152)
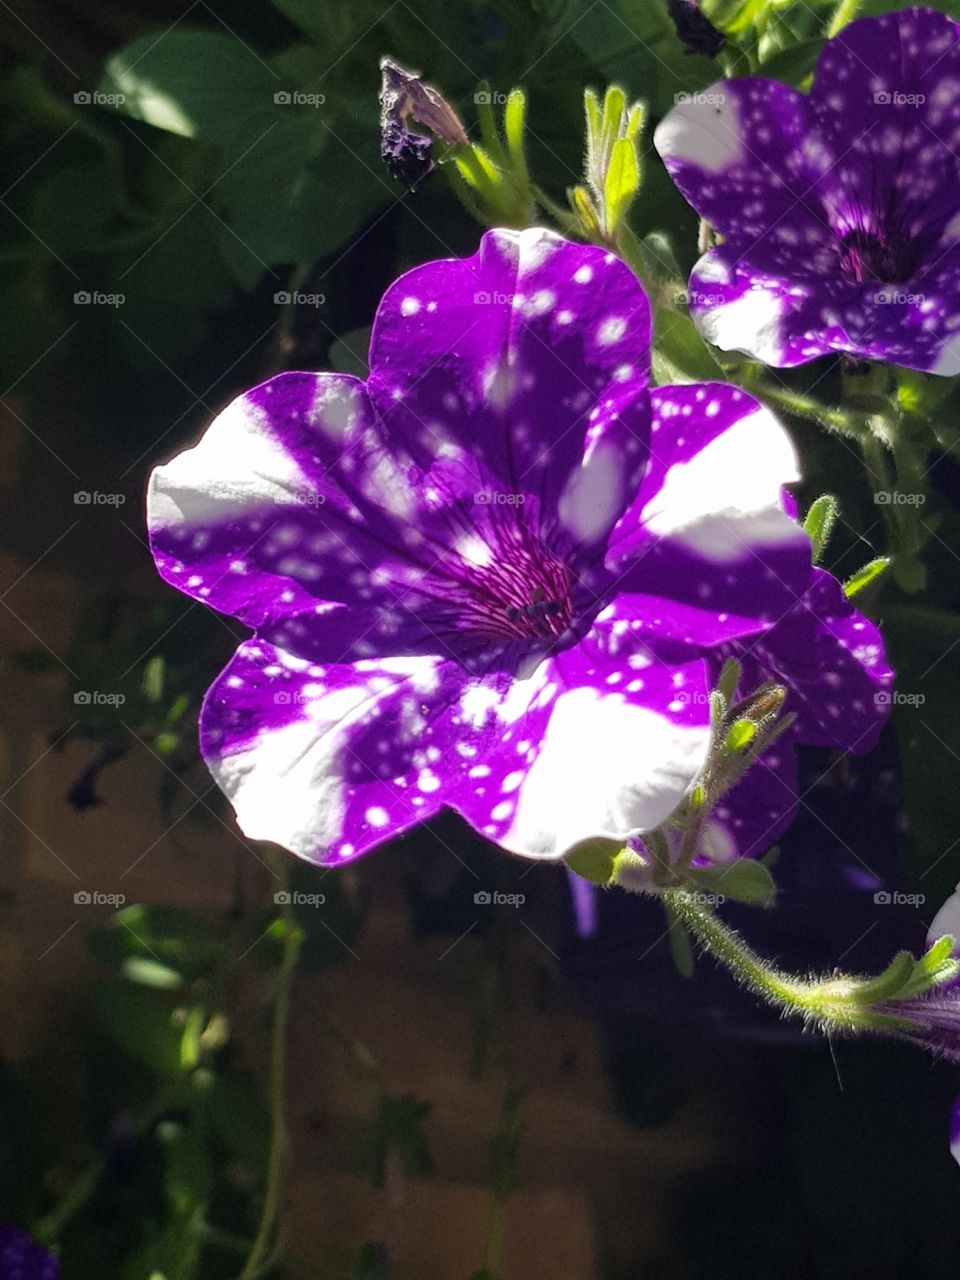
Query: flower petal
(756,812)
(886,96)
(741,152)
(833,663)
(499,358)
(707,535)
(618,752)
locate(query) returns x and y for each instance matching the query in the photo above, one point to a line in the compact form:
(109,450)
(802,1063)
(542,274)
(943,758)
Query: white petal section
(750,322)
(295,780)
(236,464)
(607,767)
(726,498)
(705,131)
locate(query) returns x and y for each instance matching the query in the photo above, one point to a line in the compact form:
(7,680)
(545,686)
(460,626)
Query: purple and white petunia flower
(21,1259)
(839,210)
(459,571)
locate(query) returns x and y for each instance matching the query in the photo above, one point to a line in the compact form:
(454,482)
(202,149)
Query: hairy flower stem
(277,1100)
(844,14)
(840,1002)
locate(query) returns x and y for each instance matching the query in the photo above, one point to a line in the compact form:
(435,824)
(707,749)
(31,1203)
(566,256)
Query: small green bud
(740,735)
(820,522)
(594,860)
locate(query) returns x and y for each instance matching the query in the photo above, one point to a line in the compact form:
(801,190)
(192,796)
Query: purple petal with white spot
(755,813)
(833,663)
(838,210)
(706,541)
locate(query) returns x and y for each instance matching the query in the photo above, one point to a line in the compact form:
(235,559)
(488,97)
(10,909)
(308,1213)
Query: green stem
(844,14)
(841,1002)
(847,423)
(277,1099)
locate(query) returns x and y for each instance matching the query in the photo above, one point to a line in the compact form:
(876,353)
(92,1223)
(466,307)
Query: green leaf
(199,84)
(621,184)
(819,523)
(743,880)
(862,579)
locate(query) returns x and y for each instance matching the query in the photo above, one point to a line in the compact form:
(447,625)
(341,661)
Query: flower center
(525,597)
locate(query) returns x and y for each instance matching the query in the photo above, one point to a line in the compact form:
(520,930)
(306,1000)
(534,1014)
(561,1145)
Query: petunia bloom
(21,1259)
(839,211)
(459,570)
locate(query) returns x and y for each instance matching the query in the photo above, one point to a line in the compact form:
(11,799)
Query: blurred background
(474,1090)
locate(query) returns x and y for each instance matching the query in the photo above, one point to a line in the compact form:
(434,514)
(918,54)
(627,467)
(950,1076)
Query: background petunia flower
(839,211)
(456,570)
(21,1259)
